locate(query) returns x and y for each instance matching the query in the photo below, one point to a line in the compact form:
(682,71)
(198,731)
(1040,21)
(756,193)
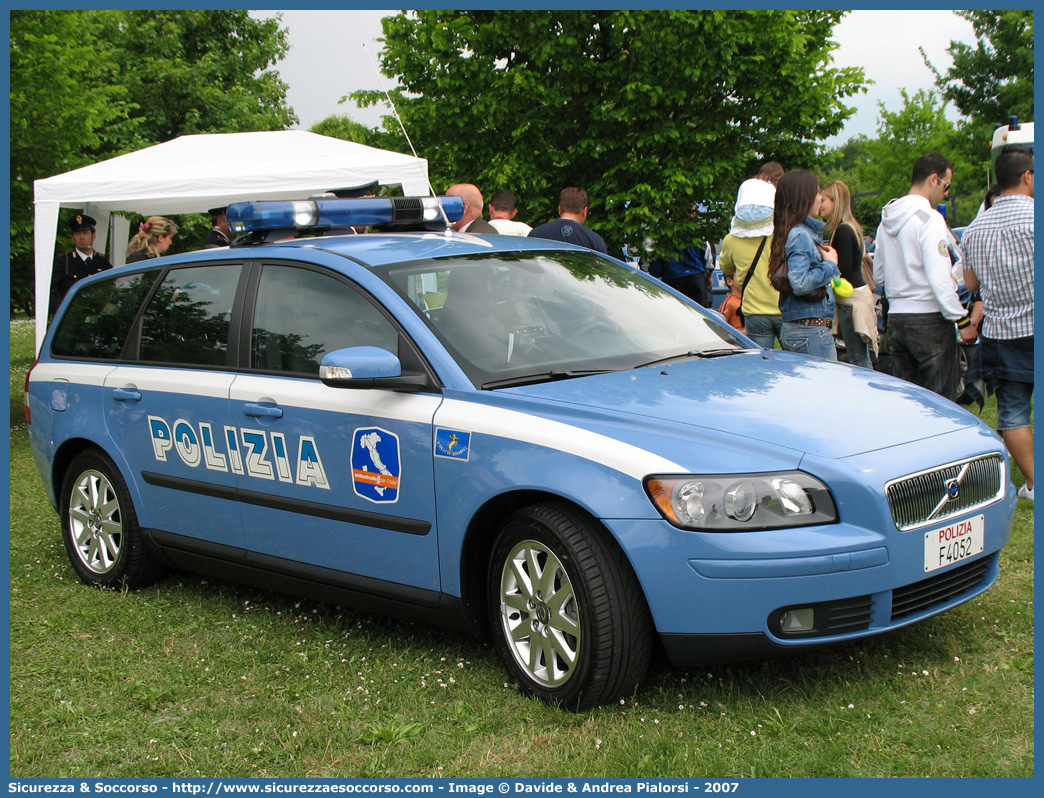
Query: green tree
(903,136)
(90,85)
(199,71)
(66,107)
(342,126)
(993,79)
(849,163)
(653,112)
(988,82)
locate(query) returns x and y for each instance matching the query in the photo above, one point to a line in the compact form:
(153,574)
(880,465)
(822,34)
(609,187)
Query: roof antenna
(445,218)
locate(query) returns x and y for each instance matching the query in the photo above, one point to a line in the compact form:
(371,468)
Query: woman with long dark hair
(802,267)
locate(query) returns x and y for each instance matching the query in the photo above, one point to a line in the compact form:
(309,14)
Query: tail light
(28,419)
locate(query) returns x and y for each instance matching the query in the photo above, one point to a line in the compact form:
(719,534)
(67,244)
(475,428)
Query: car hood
(766,399)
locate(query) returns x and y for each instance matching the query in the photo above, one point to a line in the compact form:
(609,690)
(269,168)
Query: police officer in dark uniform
(221,234)
(81,262)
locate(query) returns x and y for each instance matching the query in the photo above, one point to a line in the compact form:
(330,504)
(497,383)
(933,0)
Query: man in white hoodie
(912,261)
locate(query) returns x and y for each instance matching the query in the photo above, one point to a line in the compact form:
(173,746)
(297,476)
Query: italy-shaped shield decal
(376,465)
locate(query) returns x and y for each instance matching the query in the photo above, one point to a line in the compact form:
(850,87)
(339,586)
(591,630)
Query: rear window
(187,321)
(99,318)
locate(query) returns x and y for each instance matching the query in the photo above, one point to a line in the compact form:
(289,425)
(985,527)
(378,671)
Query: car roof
(380,249)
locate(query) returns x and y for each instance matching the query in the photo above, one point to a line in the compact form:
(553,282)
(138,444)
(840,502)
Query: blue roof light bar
(248,217)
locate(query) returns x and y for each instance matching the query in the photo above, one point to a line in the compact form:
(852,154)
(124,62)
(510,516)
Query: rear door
(168,411)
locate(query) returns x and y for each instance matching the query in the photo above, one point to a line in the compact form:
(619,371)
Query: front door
(337,479)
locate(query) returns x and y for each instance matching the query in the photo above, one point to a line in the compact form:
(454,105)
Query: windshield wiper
(544,376)
(703,353)
(731,350)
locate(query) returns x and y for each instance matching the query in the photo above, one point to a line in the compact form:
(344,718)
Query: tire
(568,615)
(100,527)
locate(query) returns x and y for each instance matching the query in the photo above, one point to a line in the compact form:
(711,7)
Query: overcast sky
(328,60)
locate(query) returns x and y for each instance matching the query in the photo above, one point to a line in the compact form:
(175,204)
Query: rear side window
(99,318)
(187,321)
(301,315)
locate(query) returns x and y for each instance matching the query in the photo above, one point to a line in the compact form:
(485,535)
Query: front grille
(928,593)
(928,497)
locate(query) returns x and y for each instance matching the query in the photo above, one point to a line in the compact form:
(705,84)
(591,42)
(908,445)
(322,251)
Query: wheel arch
(70,449)
(481,536)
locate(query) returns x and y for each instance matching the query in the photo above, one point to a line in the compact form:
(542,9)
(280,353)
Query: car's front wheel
(569,617)
(100,527)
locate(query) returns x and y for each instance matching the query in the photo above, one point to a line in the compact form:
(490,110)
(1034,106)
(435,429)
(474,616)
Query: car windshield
(522,317)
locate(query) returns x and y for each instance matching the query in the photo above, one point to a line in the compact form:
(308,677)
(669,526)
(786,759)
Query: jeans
(815,341)
(858,350)
(764,330)
(1014,405)
(924,351)
(1007,367)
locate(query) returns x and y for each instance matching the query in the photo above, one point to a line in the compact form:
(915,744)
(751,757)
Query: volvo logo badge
(952,492)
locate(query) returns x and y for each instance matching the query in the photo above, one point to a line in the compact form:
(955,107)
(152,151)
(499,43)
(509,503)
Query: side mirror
(367,367)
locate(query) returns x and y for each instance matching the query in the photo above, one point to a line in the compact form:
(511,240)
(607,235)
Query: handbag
(780,279)
(868,271)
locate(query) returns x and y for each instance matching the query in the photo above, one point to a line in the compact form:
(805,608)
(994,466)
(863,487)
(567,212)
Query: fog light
(802,620)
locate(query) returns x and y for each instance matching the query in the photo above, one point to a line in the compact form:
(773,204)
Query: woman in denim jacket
(806,298)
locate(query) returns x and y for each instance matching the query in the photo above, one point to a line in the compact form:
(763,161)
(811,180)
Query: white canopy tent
(191,174)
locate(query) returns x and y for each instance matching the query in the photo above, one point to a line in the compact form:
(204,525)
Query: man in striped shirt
(998,262)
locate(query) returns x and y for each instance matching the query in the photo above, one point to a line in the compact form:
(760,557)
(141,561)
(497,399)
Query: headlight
(742,502)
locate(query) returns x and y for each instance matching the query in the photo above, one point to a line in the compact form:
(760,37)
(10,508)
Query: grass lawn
(198,678)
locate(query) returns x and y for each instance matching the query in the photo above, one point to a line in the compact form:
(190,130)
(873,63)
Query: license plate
(955,542)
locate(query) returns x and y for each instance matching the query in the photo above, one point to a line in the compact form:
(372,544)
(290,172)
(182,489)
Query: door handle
(126,395)
(260,410)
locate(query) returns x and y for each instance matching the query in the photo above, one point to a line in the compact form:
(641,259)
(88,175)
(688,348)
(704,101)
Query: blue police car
(511,436)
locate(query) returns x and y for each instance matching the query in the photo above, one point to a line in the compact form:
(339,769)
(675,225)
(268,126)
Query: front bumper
(844,619)
(721,595)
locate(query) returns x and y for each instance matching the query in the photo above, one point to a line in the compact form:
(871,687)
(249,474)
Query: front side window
(187,321)
(99,318)
(301,314)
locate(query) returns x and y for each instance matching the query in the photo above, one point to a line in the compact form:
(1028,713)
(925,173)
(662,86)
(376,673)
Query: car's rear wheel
(100,526)
(568,615)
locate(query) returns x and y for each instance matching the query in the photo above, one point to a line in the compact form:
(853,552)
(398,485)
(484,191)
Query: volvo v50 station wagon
(512,436)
